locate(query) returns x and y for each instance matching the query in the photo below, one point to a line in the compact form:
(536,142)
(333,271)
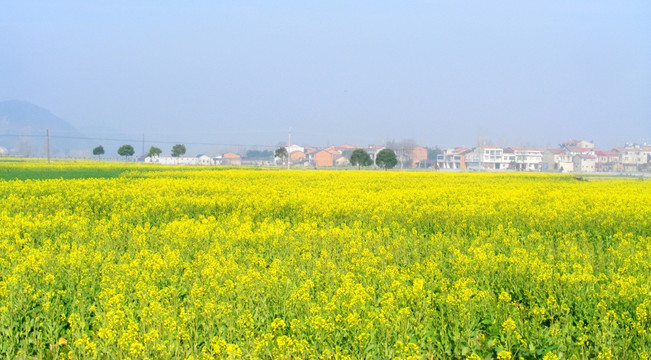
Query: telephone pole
(289,143)
(47,144)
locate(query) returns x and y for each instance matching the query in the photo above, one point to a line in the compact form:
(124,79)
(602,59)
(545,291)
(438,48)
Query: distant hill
(22,130)
(17,116)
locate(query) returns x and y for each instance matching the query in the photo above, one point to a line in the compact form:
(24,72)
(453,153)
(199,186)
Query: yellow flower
(278,325)
(508,325)
(504,355)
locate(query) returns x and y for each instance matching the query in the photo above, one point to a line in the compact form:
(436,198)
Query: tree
(98,151)
(360,158)
(281,153)
(432,156)
(178,150)
(386,159)
(259,154)
(154,151)
(126,150)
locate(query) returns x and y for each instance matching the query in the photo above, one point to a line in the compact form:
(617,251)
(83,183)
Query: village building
(488,158)
(291,148)
(324,158)
(231,159)
(634,157)
(509,159)
(341,161)
(578,144)
(584,163)
(372,151)
(200,159)
(557,160)
(529,159)
(309,153)
(452,158)
(418,156)
(345,147)
(203,159)
(297,157)
(606,160)
(329,157)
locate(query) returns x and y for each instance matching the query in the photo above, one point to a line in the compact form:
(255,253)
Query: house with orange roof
(345,147)
(231,159)
(297,156)
(454,158)
(309,152)
(326,157)
(606,160)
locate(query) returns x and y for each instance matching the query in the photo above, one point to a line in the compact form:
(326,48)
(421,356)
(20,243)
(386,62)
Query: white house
(200,159)
(203,159)
(557,160)
(584,163)
(452,158)
(292,148)
(528,158)
(488,157)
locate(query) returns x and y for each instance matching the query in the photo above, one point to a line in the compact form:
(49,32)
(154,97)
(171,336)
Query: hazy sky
(441,73)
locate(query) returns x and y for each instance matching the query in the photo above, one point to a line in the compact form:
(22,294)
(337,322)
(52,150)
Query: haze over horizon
(446,74)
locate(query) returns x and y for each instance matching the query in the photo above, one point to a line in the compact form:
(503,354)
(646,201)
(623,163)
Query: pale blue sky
(441,73)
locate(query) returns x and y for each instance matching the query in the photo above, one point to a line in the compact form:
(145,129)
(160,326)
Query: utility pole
(143,144)
(289,143)
(47,144)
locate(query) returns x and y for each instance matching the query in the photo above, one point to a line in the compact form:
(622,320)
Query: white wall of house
(292,148)
(450,159)
(488,157)
(557,161)
(181,160)
(584,164)
(528,159)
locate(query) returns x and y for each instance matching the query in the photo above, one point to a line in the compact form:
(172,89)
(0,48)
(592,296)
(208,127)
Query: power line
(138,140)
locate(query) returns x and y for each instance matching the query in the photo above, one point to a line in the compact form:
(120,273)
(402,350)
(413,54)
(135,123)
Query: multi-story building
(528,158)
(452,158)
(634,157)
(606,160)
(418,156)
(584,163)
(489,157)
(557,160)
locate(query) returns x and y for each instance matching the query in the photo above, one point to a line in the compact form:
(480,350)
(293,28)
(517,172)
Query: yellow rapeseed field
(194,263)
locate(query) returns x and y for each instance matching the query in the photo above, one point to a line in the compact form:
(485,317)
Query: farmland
(123,261)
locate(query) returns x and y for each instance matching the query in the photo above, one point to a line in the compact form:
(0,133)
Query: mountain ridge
(23,127)
(24,118)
